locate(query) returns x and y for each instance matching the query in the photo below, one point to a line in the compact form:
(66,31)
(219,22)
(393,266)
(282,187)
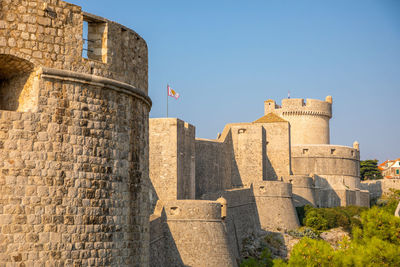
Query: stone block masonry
(73,140)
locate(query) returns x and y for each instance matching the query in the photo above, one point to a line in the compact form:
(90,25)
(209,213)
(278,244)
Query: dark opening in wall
(18,84)
(94,38)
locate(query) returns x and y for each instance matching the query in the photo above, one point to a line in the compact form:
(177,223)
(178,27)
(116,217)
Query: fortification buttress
(309,121)
(73,138)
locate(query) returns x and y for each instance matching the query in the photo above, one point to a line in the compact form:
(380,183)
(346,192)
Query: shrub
(370,252)
(321,219)
(379,223)
(389,202)
(265,260)
(310,252)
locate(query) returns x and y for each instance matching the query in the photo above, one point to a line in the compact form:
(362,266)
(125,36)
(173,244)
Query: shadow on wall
(163,250)
(15,82)
(325,195)
(269,171)
(242,221)
(299,201)
(153,197)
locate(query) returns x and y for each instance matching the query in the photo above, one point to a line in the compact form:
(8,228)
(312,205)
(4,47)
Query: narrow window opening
(85,39)
(333,151)
(94,35)
(305,150)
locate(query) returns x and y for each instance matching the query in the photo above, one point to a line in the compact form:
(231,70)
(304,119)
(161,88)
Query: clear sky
(226,57)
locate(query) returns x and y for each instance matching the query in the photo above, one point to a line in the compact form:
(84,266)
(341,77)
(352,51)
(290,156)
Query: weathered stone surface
(73,141)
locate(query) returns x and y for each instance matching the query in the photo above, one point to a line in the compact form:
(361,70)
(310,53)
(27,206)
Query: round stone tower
(309,121)
(73,138)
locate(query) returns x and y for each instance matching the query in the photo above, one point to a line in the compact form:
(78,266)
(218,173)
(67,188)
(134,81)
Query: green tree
(369,170)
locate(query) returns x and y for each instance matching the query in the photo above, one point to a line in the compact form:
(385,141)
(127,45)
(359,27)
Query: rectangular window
(397,171)
(85,39)
(94,35)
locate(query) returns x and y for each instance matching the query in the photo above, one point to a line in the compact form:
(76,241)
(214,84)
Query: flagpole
(167,100)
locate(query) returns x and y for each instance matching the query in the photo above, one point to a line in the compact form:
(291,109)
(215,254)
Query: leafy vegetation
(369,170)
(264,260)
(322,219)
(375,237)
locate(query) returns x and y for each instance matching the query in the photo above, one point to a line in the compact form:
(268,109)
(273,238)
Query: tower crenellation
(309,120)
(297,106)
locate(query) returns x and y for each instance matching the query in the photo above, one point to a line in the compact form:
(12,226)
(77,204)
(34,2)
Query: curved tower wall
(275,205)
(309,121)
(303,190)
(74,140)
(197,233)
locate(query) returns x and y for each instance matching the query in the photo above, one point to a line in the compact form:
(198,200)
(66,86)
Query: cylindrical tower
(309,122)
(73,138)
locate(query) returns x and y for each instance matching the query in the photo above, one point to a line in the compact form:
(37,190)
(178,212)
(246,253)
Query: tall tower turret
(309,121)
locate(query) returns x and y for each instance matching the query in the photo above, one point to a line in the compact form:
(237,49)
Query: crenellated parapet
(297,106)
(309,120)
(325,151)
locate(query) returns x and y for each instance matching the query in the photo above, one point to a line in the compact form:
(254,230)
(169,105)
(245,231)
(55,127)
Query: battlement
(193,210)
(57,34)
(275,189)
(297,106)
(325,151)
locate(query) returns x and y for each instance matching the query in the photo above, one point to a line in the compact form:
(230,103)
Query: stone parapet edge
(306,112)
(73,76)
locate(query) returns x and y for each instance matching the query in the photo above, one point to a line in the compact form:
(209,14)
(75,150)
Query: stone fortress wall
(233,167)
(73,139)
(252,170)
(76,154)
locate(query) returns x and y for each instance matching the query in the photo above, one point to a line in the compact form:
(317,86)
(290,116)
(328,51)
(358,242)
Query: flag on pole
(172,92)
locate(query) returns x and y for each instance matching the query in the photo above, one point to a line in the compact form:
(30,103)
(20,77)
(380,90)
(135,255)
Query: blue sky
(226,57)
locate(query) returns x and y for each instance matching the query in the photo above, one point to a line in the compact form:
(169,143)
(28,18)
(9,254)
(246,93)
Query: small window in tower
(333,151)
(94,35)
(85,39)
(397,171)
(305,151)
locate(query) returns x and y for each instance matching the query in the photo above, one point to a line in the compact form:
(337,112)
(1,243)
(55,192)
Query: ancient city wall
(194,233)
(303,190)
(249,148)
(377,188)
(172,159)
(275,205)
(213,165)
(73,141)
(242,219)
(325,160)
(186,160)
(335,170)
(277,162)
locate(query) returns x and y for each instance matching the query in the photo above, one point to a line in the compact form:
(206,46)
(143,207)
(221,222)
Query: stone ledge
(73,76)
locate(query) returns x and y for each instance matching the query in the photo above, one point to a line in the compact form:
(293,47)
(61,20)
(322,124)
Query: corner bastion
(73,138)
